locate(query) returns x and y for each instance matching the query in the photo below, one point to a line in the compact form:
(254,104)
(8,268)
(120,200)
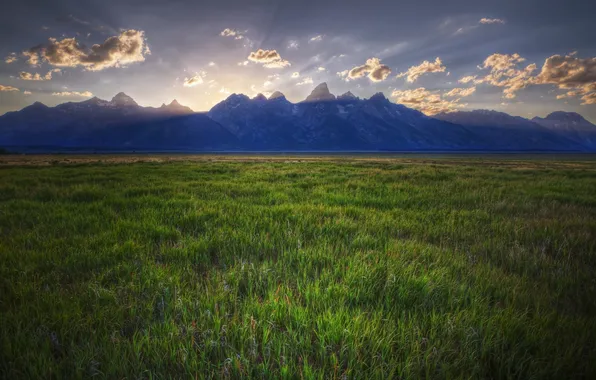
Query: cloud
(572,73)
(491,21)
(224,90)
(29,76)
(12,57)
(293,44)
(227,32)
(343,74)
(295,74)
(463,30)
(212,64)
(500,62)
(425,67)
(269,58)
(26,92)
(373,68)
(84,94)
(7,88)
(577,75)
(32,56)
(243,63)
(277,64)
(568,72)
(461,92)
(193,81)
(116,51)
(468,79)
(306,80)
(321,69)
(316,38)
(428,102)
(505,73)
(589,98)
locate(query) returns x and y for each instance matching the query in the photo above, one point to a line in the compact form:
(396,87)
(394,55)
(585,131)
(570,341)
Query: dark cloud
(269,58)
(376,71)
(116,51)
(568,71)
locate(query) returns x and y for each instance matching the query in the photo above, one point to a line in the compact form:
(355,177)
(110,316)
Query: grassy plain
(277,267)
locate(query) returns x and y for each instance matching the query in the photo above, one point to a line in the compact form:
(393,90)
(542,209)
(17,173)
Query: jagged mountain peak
(37,105)
(379,96)
(176,107)
(276,95)
(563,116)
(320,93)
(347,96)
(260,97)
(235,98)
(121,99)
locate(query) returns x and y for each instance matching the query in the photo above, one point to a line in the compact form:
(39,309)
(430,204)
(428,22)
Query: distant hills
(322,122)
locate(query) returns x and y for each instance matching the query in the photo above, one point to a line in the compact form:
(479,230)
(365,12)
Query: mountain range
(322,122)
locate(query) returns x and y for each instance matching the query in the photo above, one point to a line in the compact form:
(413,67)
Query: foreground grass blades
(298,269)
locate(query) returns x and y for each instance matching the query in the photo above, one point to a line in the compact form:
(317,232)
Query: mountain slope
(321,122)
(501,131)
(571,125)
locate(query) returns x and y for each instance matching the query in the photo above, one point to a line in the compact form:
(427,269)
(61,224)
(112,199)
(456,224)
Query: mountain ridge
(322,121)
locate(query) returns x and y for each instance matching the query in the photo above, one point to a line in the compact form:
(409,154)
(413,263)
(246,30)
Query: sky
(523,57)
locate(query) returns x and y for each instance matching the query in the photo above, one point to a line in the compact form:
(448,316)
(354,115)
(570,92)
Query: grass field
(297,268)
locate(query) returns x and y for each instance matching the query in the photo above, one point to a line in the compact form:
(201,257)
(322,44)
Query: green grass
(315,269)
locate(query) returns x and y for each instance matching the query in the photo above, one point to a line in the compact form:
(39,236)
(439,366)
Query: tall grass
(271,269)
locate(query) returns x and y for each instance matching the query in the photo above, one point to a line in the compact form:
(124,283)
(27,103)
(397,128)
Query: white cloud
(306,80)
(243,63)
(295,74)
(293,44)
(428,102)
(460,92)
(491,21)
(26,92)
(12,57)
(425,67)
(468,79)
(224,90)
(228,32)
(195,80)
(504,73)
(321,69)
(84,94)
(316,38)
(36,77)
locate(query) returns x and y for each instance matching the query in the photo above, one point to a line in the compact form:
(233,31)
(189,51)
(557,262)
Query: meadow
(297,267)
